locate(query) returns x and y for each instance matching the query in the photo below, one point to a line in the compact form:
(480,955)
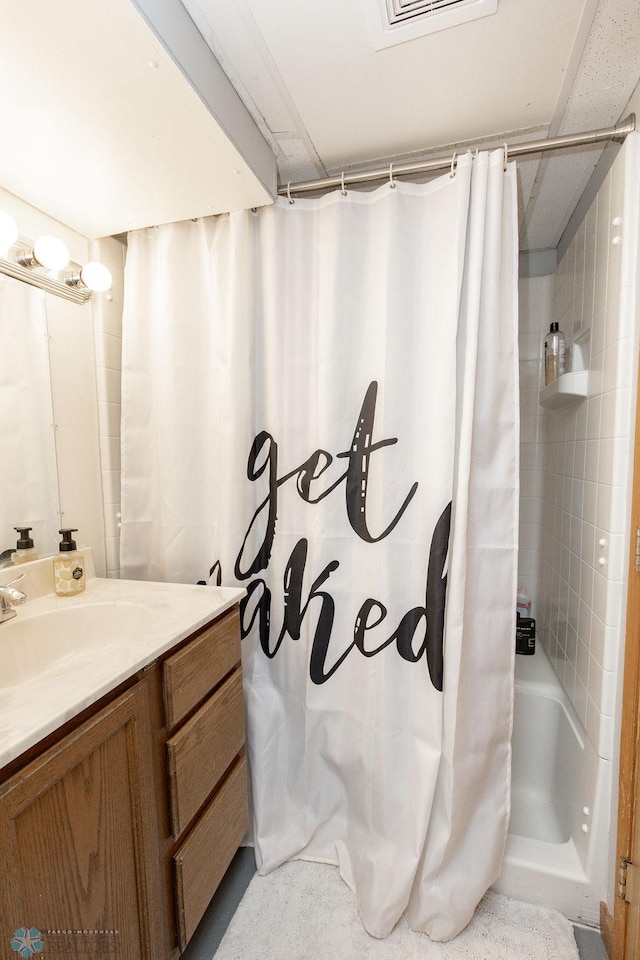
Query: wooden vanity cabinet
(204,752)
(122,829)
(78,840)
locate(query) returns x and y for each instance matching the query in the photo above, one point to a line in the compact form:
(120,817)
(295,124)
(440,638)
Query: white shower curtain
(320,404)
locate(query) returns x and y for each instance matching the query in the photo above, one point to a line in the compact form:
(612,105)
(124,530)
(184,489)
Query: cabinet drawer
(201,861)
(191,673)
(201,750)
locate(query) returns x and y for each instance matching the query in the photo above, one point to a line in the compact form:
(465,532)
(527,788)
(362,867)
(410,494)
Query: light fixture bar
(58,287)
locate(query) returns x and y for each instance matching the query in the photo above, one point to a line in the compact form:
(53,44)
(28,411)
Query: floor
(205,940)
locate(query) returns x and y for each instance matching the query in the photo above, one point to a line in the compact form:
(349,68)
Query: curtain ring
(344,192)
(453,166)
(289,192)
(392,182)
(506,157)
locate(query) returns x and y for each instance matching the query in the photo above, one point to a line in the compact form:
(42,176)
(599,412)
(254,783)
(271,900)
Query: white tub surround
(576,471)
(558,830)
(39,690)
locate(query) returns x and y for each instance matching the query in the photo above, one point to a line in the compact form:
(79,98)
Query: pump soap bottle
(25,549)
(68,567)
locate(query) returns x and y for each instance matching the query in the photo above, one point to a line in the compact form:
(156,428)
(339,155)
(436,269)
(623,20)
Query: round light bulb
(8,232)
(51,253)
(96,276)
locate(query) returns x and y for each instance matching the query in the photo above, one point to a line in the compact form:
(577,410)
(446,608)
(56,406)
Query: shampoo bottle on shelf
(25,549)
(554,354)
(523,603)
(68,567)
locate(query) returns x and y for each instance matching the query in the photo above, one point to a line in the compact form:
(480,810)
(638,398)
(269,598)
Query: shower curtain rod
(618,133)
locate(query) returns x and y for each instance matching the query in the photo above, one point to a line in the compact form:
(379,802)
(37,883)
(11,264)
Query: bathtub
(556,852)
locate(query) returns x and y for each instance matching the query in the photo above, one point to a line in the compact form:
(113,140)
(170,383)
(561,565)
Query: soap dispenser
(68,566)
(25,549)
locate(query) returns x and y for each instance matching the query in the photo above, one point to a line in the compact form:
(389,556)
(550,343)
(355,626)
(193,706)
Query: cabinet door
(77,836)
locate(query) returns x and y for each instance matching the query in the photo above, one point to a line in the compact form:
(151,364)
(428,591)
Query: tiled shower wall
(576,461)
(535,301)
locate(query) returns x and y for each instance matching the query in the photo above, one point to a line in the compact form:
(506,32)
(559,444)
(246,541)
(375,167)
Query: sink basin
(59,655)
(47,643)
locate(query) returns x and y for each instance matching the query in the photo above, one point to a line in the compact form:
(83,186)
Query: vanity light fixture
(39,264)
(48,252)
(94,276)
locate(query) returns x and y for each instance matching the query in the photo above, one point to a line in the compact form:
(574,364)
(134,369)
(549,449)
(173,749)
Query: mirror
(29,482)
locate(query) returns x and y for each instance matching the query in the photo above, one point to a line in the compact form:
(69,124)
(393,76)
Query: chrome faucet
(5,558)
(9,595)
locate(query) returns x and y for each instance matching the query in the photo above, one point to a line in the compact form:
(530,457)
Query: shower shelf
(568,389)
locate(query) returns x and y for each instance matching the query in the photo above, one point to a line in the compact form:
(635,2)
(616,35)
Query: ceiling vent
(396,21)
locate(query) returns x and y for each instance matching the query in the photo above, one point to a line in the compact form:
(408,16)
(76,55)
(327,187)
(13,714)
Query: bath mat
(304,911)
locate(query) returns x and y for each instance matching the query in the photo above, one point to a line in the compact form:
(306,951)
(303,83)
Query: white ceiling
(326,100)
(101,130)
(109,125)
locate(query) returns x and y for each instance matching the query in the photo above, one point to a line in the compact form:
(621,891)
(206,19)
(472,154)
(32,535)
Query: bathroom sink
(44,644)
(59,655)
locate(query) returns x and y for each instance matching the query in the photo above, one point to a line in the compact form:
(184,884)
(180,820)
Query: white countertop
(163,615)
